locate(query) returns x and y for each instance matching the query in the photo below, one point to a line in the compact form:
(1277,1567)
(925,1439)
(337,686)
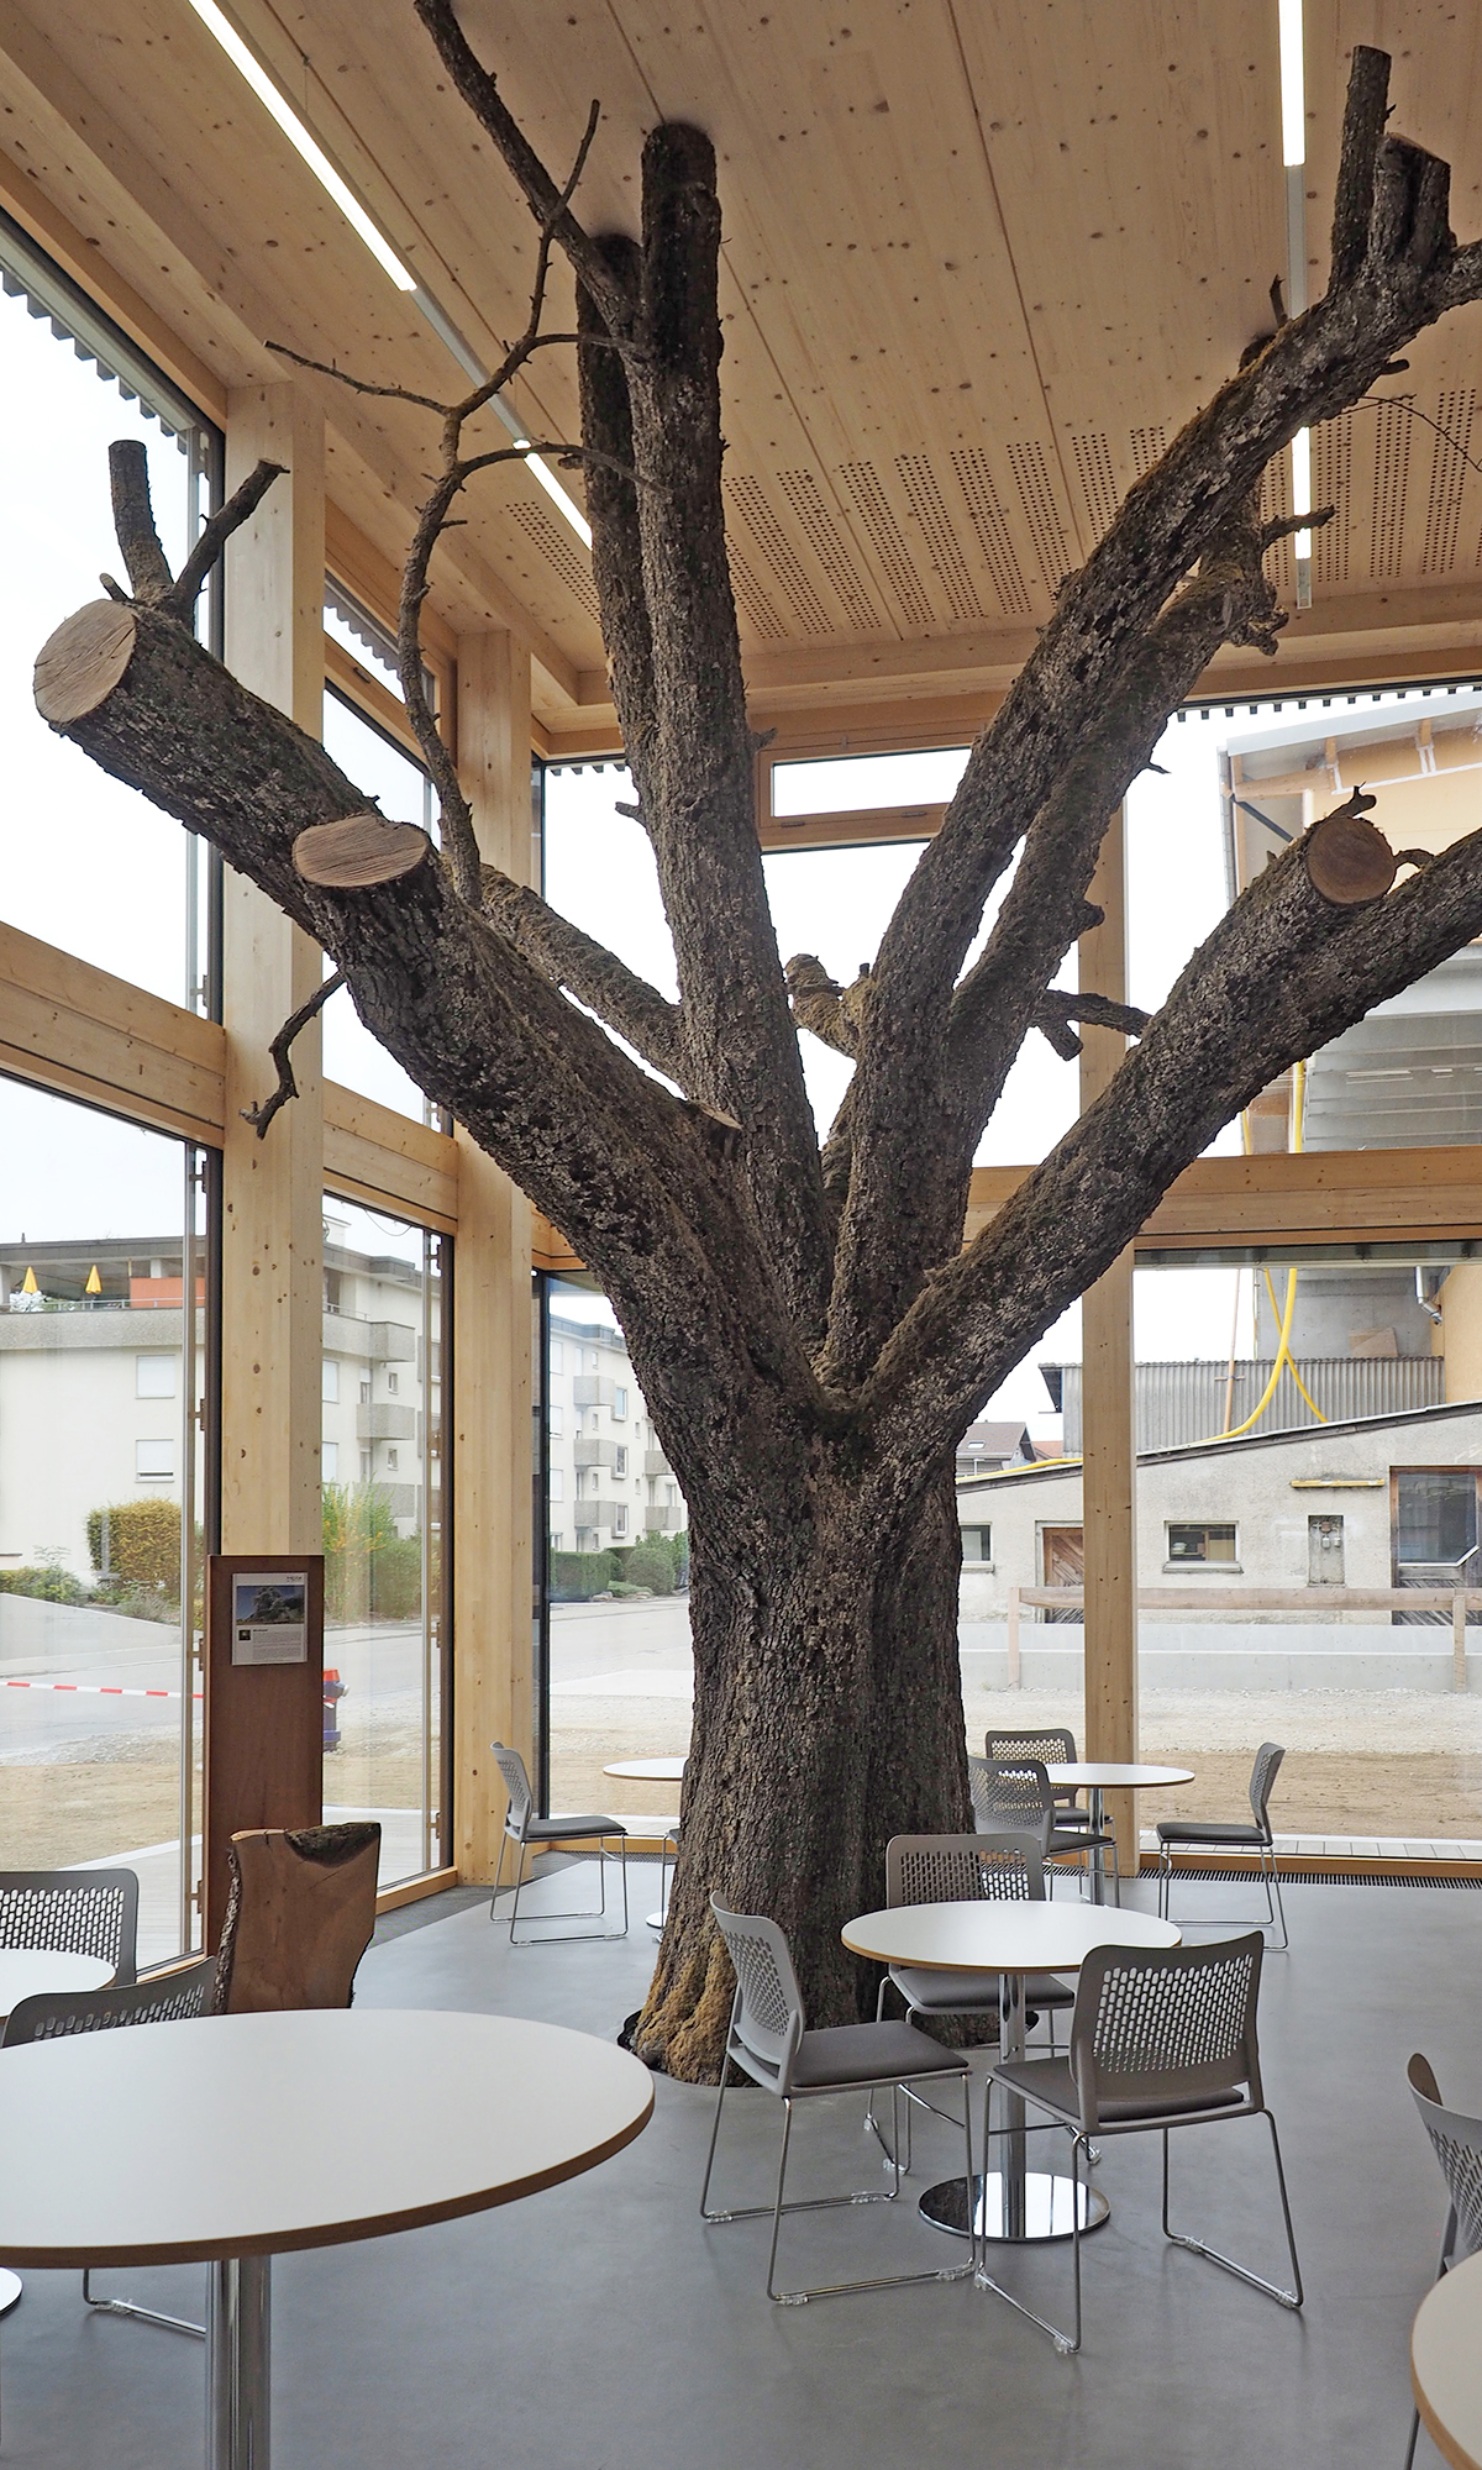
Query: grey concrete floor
(599,2325)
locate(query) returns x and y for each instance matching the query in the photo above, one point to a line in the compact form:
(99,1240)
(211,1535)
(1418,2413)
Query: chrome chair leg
(1291,2298)
(1066,2343)
(141,2315)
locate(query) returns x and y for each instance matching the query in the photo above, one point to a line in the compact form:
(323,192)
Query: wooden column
(1109,1481)
(272,1252)
(493,1670)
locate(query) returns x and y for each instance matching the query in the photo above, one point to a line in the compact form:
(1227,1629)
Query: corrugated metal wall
(1178,1404)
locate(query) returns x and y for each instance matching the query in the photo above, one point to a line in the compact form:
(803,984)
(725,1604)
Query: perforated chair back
(768,2019)
(172,1999)
(517,1784)
(1005,1867)
(1053,1744)
(300,1913)
(1167,2028)
(1262,1776)
(73,1912)
(1016,1793)
(1457,2144)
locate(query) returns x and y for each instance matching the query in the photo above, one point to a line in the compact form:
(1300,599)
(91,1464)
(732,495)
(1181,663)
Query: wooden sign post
(264,1706)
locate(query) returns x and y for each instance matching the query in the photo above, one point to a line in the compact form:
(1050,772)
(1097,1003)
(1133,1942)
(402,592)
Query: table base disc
(656,1921)
(11,2287)
(1046,2210)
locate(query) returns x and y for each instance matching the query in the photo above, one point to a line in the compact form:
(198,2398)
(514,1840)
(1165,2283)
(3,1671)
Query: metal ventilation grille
(1098,480)
(560,553)
(929,508)
(773,546)
(985,508)
(1332,480)
(1037,497)
(821,533)
(1455,413)
(1391,479)
(887,540)
(1147,445)
(751,600)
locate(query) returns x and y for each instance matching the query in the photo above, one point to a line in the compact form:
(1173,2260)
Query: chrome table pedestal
(239,2363)
(1013,2205)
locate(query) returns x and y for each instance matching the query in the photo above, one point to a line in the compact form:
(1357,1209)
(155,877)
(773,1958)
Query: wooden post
(1109,1449)
(272,1241)
(491,1407)
(272,1248)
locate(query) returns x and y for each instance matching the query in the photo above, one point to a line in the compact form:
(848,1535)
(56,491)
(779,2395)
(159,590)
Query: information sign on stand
(264,1704)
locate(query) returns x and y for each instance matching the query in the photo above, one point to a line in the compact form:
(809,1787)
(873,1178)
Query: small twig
(1282,527)
(180,599)
(1057,1008)
(261,1116)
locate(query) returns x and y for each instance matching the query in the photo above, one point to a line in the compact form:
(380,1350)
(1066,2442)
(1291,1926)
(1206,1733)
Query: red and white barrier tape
(94,1689)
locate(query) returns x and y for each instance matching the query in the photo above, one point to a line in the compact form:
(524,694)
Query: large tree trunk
(828,1717)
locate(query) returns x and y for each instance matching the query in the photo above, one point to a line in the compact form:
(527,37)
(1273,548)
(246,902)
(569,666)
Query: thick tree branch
(1057,1008)
(180,600)
(1284,972)
(595,976)
(144,560)
(612,510)
(281,1051)
(551,210)
(1317,365)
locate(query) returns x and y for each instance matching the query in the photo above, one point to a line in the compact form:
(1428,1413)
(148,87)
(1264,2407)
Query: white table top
(648,1770)
(1446,2364)
(251,2134)
(994,1937)
(1103,1775)
(29,1972)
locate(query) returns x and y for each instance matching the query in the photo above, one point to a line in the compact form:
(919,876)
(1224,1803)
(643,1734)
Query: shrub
(143,1543)
(575,1577)
(370,1572)
(54,1586)
(651,1565)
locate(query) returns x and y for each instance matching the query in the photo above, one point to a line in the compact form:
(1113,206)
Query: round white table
(1011,1939)
(205,2142)
(1446,2365)
(1098,1776)
(33,1972)
(650,1771)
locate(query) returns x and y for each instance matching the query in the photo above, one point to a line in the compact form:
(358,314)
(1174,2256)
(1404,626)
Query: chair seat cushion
(1050,2082)
(585,1822)
(946,1993)
(870,2054)
(1208,1831)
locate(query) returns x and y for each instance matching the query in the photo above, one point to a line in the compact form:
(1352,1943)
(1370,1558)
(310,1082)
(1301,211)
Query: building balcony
(589,1453)
(661,1521)
(381,1421)
(588,1389)
(655,1463)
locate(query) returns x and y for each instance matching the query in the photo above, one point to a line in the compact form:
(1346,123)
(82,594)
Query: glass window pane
(618,1568)
(105,875)
(101,1480)
(383,1583)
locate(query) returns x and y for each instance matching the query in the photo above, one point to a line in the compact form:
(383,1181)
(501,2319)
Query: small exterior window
(329,1461)
(557,1541)
(620,1405)
(556,1489)
(620,1520)
(391,1462)
(329,1382)
(393,1384)
(1201,1544)
(620,1461)
(558,1360)
(553,1420)
(365,1393)
(977,1543)
(154,1376)
(154,1461)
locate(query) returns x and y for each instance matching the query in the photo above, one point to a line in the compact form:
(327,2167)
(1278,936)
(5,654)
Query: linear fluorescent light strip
(335,186)
(1294,157)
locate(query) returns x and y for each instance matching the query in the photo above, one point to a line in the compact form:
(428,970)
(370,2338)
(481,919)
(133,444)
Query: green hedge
(54,1586)
(575,1577)
(143,1542)
(370,1572)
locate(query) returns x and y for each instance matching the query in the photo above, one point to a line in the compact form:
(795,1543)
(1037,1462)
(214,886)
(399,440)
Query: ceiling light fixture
(1294,157)
(335,186)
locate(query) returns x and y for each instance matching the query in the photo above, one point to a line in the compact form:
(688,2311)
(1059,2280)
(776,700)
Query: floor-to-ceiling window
(103,1323)
(384,1575)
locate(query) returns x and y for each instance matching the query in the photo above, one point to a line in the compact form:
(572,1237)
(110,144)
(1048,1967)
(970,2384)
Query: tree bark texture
(811,1336)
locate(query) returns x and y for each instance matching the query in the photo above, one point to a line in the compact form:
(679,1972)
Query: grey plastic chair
(523,1828)
(1232,1835)
(1161,2037)
(1457,2144)
(769,2040)
(1015,1792)
(171,1999)
(73,1912)
(1055,1745)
